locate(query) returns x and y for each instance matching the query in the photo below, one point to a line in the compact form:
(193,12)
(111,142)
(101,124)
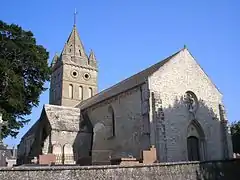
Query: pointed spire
(92,56)
(55,59)
(92,61)
(74,46)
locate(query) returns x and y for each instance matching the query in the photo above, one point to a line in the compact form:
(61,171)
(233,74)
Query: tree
(235,131)
(23,72)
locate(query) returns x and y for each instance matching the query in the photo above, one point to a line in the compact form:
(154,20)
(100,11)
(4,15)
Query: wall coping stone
(77,167)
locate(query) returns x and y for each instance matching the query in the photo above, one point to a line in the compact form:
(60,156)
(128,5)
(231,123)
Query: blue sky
(130,35)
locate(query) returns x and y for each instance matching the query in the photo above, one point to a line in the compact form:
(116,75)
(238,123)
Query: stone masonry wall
(77,81)
(55,91)
(63,138)
(219,170)
(131,128)
(168,86)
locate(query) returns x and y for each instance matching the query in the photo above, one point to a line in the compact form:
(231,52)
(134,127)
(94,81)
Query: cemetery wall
(228,169)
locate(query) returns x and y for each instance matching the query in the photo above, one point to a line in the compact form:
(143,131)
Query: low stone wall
(215,170)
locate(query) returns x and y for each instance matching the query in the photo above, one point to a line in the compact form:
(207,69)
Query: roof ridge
(57,106)
(161,63)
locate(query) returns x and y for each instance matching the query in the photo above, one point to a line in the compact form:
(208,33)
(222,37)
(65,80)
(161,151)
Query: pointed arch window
(70,91)
(112,119)
(80,91)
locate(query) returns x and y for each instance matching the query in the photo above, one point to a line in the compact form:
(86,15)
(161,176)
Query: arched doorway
(195,142)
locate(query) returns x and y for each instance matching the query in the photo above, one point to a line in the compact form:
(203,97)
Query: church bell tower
(74,73)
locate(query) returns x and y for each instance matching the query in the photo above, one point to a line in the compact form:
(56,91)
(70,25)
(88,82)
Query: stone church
(172,106)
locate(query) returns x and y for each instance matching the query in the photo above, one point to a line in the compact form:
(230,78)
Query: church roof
(63,118)
(31,130)
(59,117)
(125,85)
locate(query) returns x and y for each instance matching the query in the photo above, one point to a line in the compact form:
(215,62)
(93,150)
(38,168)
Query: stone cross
(2,123)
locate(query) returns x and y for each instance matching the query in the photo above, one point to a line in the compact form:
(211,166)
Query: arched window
(192,103)
(112,119)
(90,92)
(80,91)
(70,91)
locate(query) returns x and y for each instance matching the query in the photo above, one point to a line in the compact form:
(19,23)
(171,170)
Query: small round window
(74,73)
(86,76)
